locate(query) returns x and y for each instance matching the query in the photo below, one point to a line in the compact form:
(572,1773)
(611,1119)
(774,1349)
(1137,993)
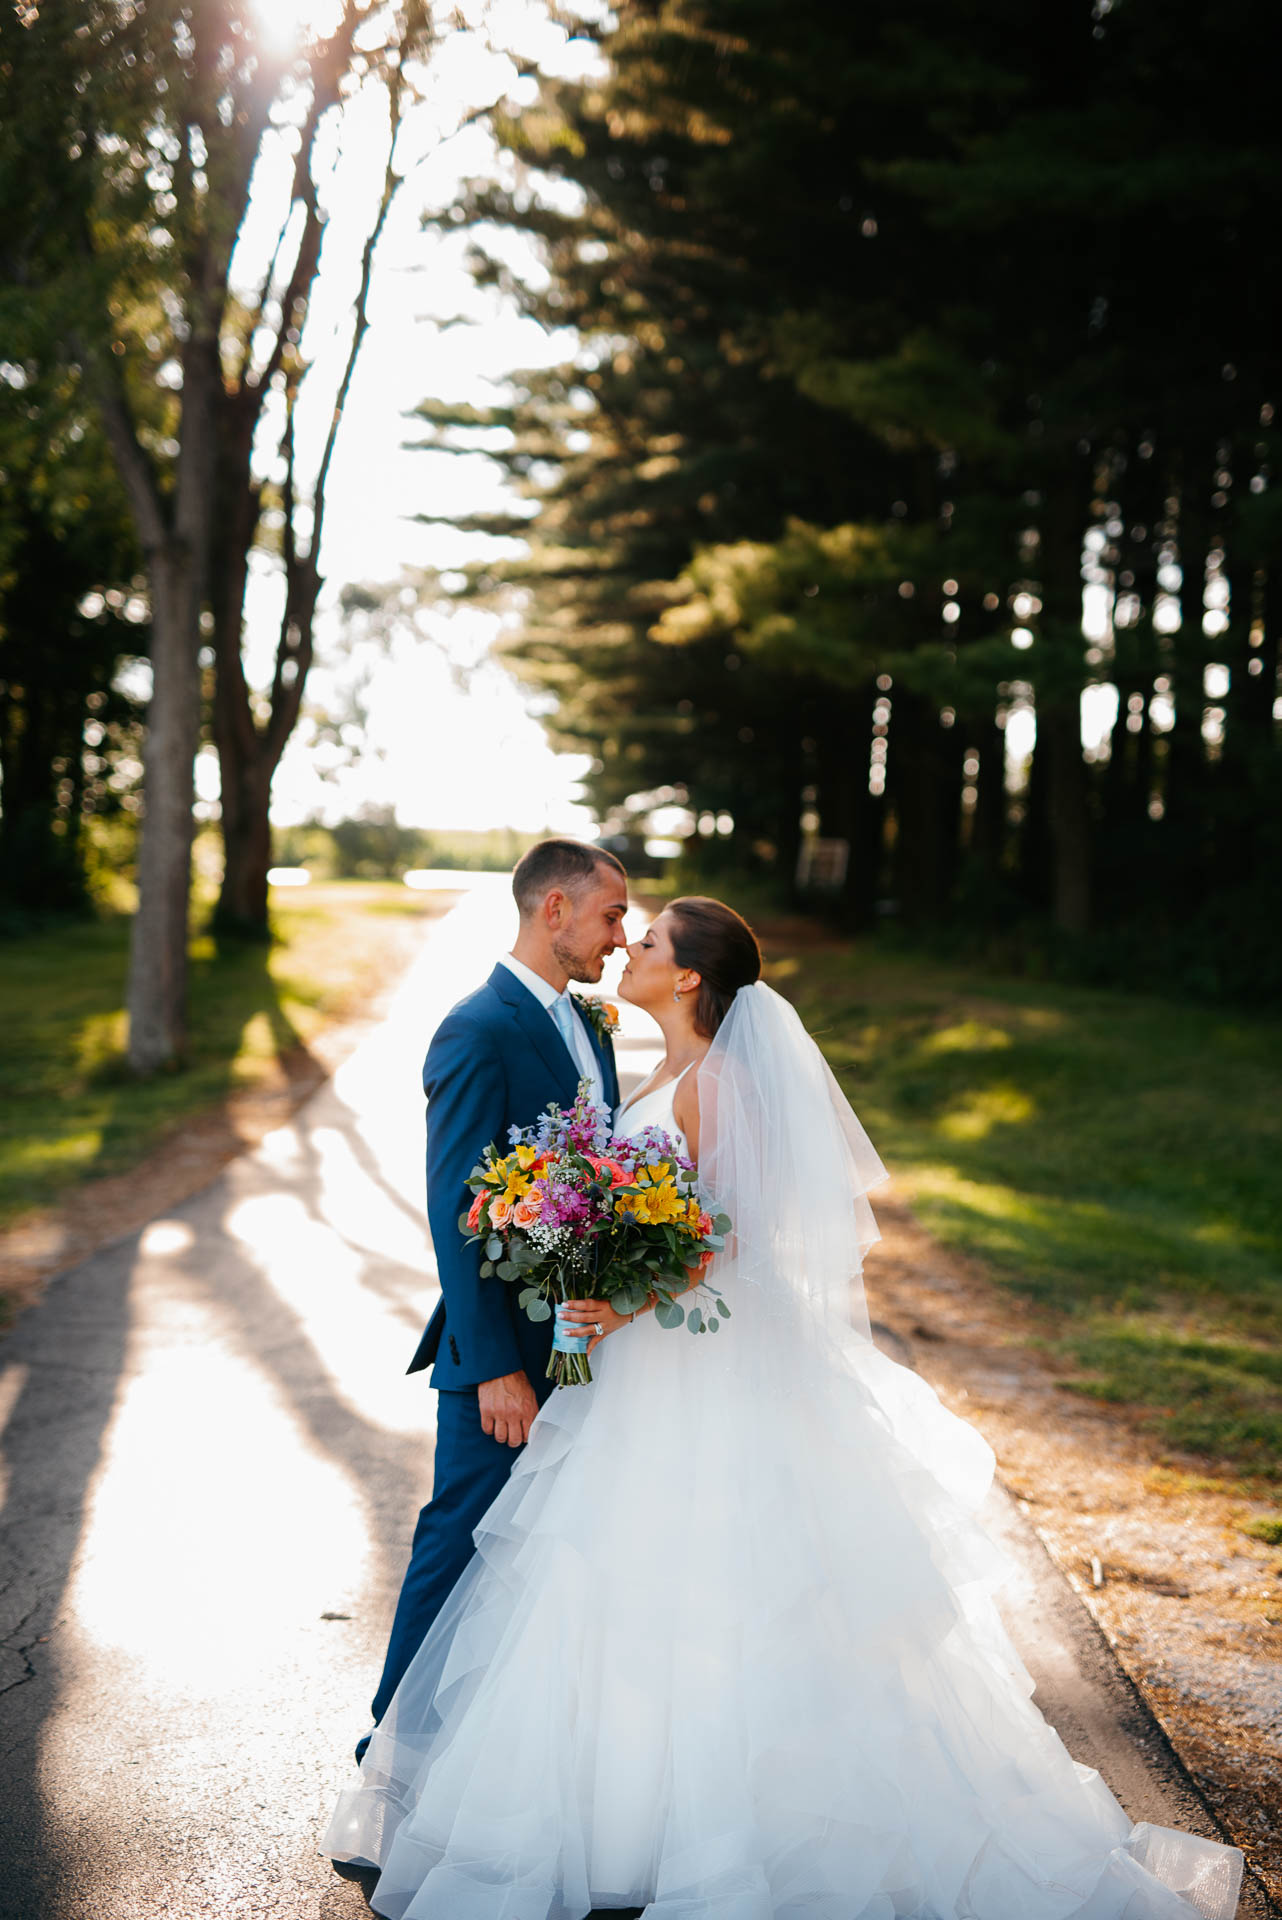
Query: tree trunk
(176,545)
(157,992)
(245,782)
(1058,699)
(247,843)
(249,755)
(1185,792)
(988,822)
(847,810)
(1059,739)
(925,780)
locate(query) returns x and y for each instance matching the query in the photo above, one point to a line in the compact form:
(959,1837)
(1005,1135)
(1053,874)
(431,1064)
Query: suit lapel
(538,1028)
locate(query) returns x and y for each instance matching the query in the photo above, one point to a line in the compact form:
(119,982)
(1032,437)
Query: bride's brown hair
(721,947)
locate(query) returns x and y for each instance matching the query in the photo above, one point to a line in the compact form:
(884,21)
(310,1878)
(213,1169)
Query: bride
(727,1647)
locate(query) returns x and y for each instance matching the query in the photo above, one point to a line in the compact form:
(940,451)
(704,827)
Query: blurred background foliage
(896,341)
(900,338)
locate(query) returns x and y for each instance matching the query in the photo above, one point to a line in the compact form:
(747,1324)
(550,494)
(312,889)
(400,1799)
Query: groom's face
(591,926)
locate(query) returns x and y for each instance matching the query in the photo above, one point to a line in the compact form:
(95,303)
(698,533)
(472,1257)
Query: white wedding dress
(727,1650)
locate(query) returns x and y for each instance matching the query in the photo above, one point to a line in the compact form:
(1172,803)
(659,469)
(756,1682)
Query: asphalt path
(211,1459)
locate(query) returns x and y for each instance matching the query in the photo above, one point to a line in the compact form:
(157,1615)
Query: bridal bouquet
(573,1212)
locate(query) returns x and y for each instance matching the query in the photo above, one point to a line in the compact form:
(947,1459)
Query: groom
(496,1061)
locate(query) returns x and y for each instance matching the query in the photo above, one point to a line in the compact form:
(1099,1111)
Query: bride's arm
(685,1111)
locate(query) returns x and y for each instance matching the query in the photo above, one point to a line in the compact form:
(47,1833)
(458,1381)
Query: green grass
(69,1110)
(1112,1156)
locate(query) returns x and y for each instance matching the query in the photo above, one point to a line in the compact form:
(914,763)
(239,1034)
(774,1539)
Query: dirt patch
(1151,1542)
(43,1242)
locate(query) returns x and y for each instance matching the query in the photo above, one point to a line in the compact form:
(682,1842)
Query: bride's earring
(676,995)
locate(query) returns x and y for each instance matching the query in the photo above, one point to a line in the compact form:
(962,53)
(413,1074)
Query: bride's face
(652,973)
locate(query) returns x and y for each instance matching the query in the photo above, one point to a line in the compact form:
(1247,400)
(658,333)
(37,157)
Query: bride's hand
(586,1315)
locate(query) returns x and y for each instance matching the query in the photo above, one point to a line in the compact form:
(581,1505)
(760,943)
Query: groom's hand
(508,1407)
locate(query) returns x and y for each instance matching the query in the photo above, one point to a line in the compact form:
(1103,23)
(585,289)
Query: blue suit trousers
(471,1468)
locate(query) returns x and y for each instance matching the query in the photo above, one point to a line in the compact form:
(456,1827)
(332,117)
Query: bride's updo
(721,947)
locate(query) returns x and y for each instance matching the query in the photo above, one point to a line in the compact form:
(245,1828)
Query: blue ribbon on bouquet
(564,1339)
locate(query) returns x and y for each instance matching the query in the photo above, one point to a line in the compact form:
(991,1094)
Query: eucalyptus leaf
(695,1321)
(494,1247)
(723,1310)
(487,1269)
(538,1309)
(713,1325)
(507,1269)
(669,1314)
(721,1223)
(525,1296)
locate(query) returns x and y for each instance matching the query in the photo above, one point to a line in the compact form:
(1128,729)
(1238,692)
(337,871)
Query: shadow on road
(69,1353)
(125,1329)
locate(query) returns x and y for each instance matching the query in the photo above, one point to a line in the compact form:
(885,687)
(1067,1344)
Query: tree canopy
(927,381)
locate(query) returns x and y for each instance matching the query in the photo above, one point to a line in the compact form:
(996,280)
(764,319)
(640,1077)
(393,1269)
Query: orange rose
(611,1167)
(527,1210)
(474,1213)
(500,1213)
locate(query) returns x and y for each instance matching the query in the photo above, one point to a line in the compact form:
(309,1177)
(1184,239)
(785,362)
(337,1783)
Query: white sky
(452,741)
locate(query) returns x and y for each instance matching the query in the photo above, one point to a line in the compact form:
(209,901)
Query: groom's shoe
(362,1744)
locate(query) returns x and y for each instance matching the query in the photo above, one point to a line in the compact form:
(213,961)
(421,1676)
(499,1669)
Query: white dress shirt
(583,1050)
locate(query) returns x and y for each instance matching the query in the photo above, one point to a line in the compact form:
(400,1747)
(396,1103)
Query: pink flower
(474,1213)
(500,1213)
(527,1209)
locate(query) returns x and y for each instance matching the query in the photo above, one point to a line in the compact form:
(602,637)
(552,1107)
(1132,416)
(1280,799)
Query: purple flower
(564,1205)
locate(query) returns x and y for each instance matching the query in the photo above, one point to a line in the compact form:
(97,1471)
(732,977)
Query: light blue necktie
(563,1013)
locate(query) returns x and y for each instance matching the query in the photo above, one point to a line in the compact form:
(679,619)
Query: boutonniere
(599,1014)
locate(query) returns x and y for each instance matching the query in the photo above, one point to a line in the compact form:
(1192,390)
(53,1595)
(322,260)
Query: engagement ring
(597,1327)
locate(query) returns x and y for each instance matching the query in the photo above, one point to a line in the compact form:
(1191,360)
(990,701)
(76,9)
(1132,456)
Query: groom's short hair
(568,864)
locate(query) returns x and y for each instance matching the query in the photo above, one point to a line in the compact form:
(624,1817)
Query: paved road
(211,1462)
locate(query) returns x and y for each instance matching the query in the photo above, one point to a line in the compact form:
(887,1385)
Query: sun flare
(286,24)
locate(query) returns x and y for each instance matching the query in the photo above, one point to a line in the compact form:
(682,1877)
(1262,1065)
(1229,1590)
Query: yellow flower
(659,1171)
(689,1216)
(662,1204)
(659,1204)
(517,1184)
(526,1156)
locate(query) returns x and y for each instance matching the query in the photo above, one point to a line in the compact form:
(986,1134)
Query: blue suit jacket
(495,1061)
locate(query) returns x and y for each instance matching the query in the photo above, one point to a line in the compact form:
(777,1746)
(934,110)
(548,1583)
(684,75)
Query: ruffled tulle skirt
(733,1654)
